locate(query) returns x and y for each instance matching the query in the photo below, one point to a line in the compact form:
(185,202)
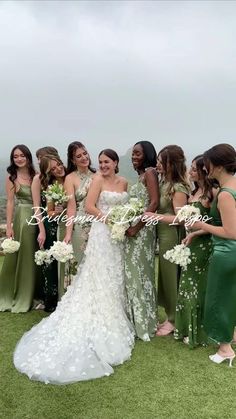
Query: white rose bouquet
(180,255)
(121,217)
(61,251)
(42,257)
(56,193)
(10,246)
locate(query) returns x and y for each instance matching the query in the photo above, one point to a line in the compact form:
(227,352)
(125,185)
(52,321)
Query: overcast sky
(110,73)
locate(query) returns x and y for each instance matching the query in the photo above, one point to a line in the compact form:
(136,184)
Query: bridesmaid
(17,278)
(220,307)
(193,281)
(77,183)
(39,201)
(140,245)
(174,191)
(51,170)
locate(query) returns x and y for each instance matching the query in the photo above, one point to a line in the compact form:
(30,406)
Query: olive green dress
(140,273)
(17,278)
(168,236)
(192,289)
(220,304)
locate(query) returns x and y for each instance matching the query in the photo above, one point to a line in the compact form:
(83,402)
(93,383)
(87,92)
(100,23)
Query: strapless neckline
(119,193)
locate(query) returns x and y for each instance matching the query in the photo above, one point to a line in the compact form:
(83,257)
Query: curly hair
(12,168)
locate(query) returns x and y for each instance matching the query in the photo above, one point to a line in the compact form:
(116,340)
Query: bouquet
(42,257)
(59,251)
(188,213)
(56,193)
(10,246)
(121,217)
(180,255)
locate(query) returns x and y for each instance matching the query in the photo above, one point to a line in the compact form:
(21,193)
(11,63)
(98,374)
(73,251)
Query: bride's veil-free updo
(112,155)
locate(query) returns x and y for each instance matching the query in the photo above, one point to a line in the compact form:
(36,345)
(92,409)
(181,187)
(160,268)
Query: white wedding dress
(89,331)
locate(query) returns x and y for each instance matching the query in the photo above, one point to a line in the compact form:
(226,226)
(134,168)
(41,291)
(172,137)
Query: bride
(89,331)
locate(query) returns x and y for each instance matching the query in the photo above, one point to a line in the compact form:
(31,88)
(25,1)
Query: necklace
(83,175)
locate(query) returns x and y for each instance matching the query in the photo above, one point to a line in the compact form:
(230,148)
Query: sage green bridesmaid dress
(192,289)
(140,273)
(18,274)
(80,231)
(168,236)
(220,304)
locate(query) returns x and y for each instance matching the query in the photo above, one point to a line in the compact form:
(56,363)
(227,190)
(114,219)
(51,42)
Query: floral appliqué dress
(192,289)
(140,273)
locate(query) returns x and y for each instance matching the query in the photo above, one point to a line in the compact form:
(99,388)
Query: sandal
(166,329)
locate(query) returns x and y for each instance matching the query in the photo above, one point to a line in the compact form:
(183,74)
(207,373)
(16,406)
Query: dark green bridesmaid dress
(17,278)
(192,289)
(220,304)
(168,236)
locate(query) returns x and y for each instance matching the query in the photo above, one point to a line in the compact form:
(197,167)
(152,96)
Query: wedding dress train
(89,331)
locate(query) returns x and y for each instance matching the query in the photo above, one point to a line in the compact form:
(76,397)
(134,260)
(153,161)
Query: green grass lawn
(164,379)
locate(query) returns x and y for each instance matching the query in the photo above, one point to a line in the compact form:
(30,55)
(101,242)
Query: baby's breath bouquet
(180,254)
(56,193)
(121,216)
(10,245)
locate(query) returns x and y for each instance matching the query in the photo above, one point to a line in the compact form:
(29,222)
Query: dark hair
(72,147)
(43,151)
(174,164)
(221,155)
(12,168)
(112,155)
(150,154)
(46,177)
(207,184)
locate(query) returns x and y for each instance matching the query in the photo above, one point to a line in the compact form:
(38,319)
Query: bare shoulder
(122,181)
(150,172)
(70,177)
(225,197)
(97,179)
(36,180)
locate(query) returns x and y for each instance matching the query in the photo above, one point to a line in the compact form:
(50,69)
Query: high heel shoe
(218,359)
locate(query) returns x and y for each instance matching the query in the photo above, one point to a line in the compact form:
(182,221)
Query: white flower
(122,215)
(56,193)
(42,256)
(118,232)
(10,246)
(188,212)
(61,251)
(180,255)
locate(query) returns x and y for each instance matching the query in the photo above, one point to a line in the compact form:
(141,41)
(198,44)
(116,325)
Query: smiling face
(193,172)
(81,158)
(106,165)
(57,169)
(19,158)
(137,157)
